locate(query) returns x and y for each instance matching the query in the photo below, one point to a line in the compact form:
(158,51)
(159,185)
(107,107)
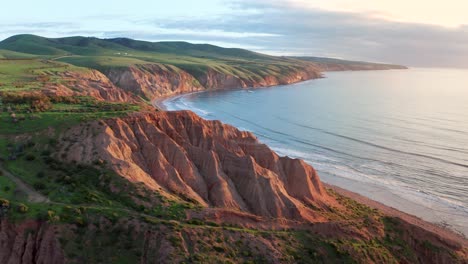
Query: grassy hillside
(103,53)
(196,59)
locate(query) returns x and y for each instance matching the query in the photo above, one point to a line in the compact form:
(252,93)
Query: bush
(22,208)
(219,249)
(80,221)
(7,188)
(4,203)
(52,217)
(40,174)
(30,157)
(37,102)
(195,221)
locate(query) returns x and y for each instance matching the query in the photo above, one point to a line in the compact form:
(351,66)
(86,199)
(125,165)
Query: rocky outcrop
(205,161)
(216,80)
(29,242)
(84,83)
(158,80)
(153,80)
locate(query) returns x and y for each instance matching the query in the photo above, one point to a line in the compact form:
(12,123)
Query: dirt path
(33,195)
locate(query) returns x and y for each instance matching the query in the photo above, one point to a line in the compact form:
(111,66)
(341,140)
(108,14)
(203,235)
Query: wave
(181,103)
(377,145)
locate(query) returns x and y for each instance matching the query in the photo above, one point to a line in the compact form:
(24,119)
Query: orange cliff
(84,83)
(152,80)
(159,80)
(214,164)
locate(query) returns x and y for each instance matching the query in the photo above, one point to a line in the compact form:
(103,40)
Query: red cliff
(158,80)
(206,161)
(29,242)
(84,83)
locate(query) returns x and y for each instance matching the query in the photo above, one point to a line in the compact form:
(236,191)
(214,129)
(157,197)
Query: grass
(197,59)
(56,120)
(7,188)
(8,54)
(75,184)
(22,74)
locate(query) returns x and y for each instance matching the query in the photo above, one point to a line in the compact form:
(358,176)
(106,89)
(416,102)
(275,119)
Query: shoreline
(158,102)
(441,230)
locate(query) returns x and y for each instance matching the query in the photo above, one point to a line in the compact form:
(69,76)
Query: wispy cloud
(279,27)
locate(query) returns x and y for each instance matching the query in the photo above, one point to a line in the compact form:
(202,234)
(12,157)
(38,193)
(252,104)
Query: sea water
(399,137)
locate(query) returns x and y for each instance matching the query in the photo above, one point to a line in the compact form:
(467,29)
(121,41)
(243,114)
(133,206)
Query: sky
(418,33)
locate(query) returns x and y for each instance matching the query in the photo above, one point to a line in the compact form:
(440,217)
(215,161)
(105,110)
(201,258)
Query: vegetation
(101,217)
(197,59)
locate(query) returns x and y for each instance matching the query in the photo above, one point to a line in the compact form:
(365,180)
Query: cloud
(340,34)
(282,28)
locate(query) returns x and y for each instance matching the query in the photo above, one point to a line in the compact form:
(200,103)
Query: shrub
(4,203)
(218,249)
(7,188)
(40,174)
(195,221)
(22,208)
(52,217)
(30,157)
(212,223)
(80,221)
(41,216)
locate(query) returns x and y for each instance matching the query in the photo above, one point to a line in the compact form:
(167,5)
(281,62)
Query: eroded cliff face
(216,80)
(85,83)
(29,242)
(206,161)
(153,80)
(157,80)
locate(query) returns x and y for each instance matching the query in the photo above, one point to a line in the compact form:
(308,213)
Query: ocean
(399,137)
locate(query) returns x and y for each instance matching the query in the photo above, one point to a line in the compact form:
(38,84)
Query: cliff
(159,80)
(83,82)
(29,242)
(205,161)
(153,80)
(217,80)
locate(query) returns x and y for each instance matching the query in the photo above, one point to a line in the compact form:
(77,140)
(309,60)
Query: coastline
(441,231)
(158,103)
(444,231)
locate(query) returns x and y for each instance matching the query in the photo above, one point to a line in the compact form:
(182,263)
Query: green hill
(196,59)
(102,54)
